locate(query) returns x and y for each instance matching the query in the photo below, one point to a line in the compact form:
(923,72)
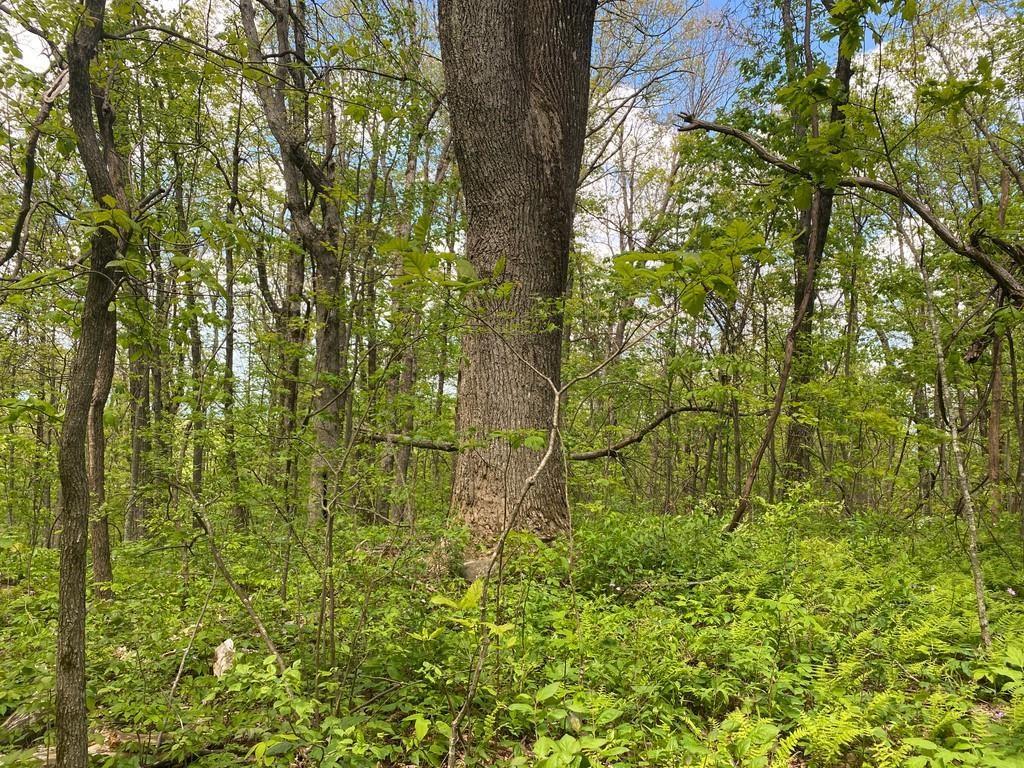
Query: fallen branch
(240,592)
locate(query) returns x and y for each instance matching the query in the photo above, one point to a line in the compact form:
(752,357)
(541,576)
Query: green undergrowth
(807,639)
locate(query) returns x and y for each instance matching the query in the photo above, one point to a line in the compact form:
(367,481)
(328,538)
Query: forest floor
(807,639)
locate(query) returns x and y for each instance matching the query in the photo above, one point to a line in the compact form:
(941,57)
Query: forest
(556,383)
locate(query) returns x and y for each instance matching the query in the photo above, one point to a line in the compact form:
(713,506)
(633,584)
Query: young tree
(813,215)
(103,169)
(287,93)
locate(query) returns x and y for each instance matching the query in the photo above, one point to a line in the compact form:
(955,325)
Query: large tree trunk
(517,81)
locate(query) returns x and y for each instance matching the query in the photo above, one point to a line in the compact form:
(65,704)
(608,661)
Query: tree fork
(102,168)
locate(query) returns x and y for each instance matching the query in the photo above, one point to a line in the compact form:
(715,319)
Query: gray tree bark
(102,167)
(99,528)
(518,78)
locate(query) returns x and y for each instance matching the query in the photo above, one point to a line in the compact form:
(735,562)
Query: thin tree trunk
(809,245)
(290,333)
(1018,419)
(102,170)
(994,432)
(922,420)
(160,369)
(286,102)
(138,398)
(948,396)
(239,509)
(74,515)
(326,403)
(99,528)
(197,401)
(743,504)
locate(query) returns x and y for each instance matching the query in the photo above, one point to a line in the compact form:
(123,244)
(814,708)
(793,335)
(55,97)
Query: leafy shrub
(807,639)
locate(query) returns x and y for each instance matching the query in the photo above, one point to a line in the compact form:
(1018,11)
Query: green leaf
(443,728)
(549,691)
(921,744)
(608,716)
(692,300)
(472,597)
(279,748)
(465,269)
(357,112)
(535,442)
(802,195)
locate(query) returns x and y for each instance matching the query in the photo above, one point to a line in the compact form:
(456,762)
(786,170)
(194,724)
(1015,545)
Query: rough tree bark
(517,79)
(103,170)
(809,246)
(99,529)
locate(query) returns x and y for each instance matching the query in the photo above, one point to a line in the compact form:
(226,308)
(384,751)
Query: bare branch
(1003,277)
(636,437)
